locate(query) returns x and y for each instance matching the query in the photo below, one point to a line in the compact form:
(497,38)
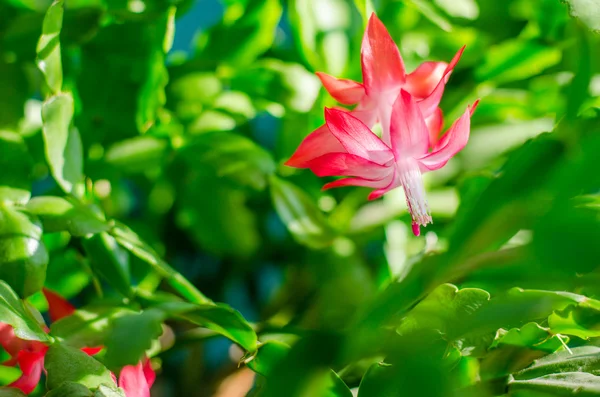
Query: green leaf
(131,335)
(517,60)
(15,185)
(88,326)
(287,84)
(582,320)
(254,33)
(11,392)
(300,214)
(132,242)
(68,364)
(109,261)
(556,385)
(105,391)
(48,48)
(588,11)
(70,389)
(137,154)
(59,214)
(430,12)
(63,144)
(220,222)
(14,313)
(323,41)
(233,156)
(323,384)
(267,357)
(227,322)
(443,308)
(23,255)
(579,359)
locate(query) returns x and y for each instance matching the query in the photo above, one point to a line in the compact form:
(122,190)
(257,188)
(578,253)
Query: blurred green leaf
(70,389)
(300,214)
(109,261)
(287,84)
(15,313)
(588,11)
(579,359)
(233,156)
(321,29)
(105,391)
(137,154)
(430,12)
(516,60)
(556,385)
(23,256)
(68,364)
(88,326)
(582,320)
(226,321)
(132,242)
(15,184)
(268,356)
(130,336)
(64,152)
(443,308)
(48,48)
(241,40)
(58,214)
(11,392)
(215,214)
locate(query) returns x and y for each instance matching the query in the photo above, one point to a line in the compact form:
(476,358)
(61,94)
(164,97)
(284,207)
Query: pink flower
(369,161)
(137,380)
(384,76)
(30,354)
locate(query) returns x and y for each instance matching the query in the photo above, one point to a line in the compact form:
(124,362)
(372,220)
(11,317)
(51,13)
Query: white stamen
(412,182)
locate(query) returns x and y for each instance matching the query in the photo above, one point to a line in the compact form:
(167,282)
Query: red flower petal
(382,65)
(356,137)
(435,123)
(345,164)
(431,102)
(451,143)
(133,381)
(408,131)
(31,364)
(425,78)
(344,91)
(58,307)
(316,144)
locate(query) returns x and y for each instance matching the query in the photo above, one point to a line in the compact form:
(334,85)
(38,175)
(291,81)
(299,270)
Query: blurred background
(187,110)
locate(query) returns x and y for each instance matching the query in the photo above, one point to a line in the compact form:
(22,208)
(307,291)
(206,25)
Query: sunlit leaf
(68,364)
(63,143)
(15,313)
(48,48)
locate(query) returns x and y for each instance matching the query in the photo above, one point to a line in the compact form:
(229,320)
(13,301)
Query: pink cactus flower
(406,106)
(384,76)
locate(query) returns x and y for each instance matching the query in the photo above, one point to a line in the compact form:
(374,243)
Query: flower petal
(356,137)
(451,143)
(382,65)
(31,364)
(344,91)
(345,164)
(149,373)
(316,144)
(408,131)
(376,184)
(90,351)
(133,381)
(425,78)
(435,123)
(431,102)
(58,307)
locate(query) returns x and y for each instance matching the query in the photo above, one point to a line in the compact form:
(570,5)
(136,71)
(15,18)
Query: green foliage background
(145,184)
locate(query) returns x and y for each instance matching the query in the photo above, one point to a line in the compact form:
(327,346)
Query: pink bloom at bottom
(137,379)
(29,354)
